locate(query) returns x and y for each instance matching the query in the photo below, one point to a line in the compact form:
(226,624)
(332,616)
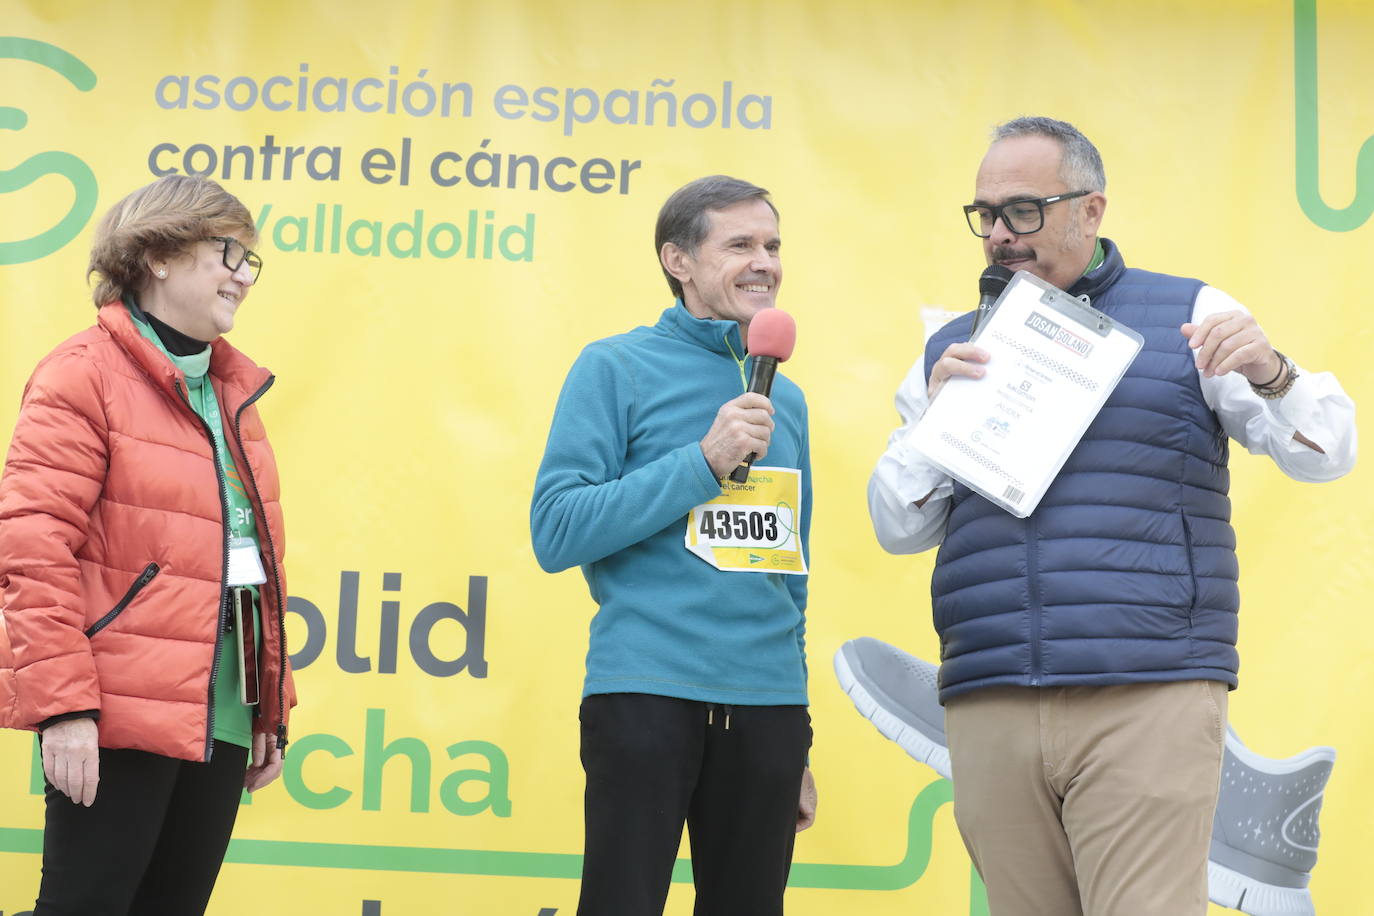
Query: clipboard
(1054,361)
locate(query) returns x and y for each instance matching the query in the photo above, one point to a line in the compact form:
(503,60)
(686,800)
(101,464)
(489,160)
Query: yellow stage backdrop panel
(454,198)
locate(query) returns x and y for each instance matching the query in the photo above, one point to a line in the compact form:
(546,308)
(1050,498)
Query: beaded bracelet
(1269,392)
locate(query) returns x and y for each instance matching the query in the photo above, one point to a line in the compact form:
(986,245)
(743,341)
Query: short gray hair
(1081,167)
(683,219)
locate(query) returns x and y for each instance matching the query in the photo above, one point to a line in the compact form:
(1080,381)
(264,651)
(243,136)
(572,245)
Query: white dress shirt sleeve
(1315,406)
(904,477)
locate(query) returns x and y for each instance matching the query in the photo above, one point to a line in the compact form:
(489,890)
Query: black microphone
(991,282)
(772,336)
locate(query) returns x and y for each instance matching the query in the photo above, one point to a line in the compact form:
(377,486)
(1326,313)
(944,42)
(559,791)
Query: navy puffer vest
(1126,571)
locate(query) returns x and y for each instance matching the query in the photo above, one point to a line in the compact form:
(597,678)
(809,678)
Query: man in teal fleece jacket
(694,706)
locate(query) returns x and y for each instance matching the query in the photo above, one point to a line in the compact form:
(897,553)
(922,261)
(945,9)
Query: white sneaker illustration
(1264,833)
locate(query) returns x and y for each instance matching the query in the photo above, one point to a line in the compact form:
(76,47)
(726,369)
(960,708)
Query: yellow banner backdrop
(454,198)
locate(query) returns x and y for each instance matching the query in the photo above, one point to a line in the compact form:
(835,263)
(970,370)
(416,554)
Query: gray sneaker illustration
(1264,833)
(899,694)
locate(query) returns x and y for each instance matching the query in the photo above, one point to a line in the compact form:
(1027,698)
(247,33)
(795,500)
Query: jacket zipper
(738,361)
(149,573)
(272,561)
(224,573)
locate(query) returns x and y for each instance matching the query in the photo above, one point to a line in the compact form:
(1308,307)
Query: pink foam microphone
(772,336)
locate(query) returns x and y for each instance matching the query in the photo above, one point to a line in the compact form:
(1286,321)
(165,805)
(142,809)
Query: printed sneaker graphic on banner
(17,251)
(899,694)
(1264,833)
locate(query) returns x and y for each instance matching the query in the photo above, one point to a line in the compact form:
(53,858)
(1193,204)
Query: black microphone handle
(760,382)
(991,283)
(985,303)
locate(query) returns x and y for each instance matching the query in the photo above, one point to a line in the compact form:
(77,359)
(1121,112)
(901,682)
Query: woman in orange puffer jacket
(141,582)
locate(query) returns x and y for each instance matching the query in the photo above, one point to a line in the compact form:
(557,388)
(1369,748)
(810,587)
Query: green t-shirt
(1099,255)
(232,720)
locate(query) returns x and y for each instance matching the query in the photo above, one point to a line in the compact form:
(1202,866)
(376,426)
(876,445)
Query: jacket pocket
(1192,566)
(149,573)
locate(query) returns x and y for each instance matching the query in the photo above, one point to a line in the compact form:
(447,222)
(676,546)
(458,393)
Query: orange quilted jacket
(113,545)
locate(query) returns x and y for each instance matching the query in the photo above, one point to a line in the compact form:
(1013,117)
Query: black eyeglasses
(235,254)
(1020,216)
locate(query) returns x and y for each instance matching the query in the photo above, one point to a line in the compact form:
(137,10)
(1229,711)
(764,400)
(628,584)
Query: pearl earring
(162,274)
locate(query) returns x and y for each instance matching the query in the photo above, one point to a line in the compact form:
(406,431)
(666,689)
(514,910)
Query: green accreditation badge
(752,526)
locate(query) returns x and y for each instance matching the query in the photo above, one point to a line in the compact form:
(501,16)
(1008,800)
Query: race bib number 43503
(752,526)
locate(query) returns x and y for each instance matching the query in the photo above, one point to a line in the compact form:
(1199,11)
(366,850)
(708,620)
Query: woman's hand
(265,765)
(71,759)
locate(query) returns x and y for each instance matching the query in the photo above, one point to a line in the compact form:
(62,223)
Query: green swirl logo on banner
(49,163)
(1308,138)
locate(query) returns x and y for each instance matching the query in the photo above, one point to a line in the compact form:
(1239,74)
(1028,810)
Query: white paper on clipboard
(1054,360)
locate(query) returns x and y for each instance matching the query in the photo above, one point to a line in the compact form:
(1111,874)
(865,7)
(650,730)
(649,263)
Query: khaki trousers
(1089,801)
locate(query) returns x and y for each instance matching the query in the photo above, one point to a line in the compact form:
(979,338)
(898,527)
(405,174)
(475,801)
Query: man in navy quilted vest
(1087,650)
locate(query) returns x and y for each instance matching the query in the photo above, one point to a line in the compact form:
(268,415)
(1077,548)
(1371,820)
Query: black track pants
(653,763)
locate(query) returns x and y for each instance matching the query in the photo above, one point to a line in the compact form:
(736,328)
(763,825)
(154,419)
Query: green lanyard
(240,523)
